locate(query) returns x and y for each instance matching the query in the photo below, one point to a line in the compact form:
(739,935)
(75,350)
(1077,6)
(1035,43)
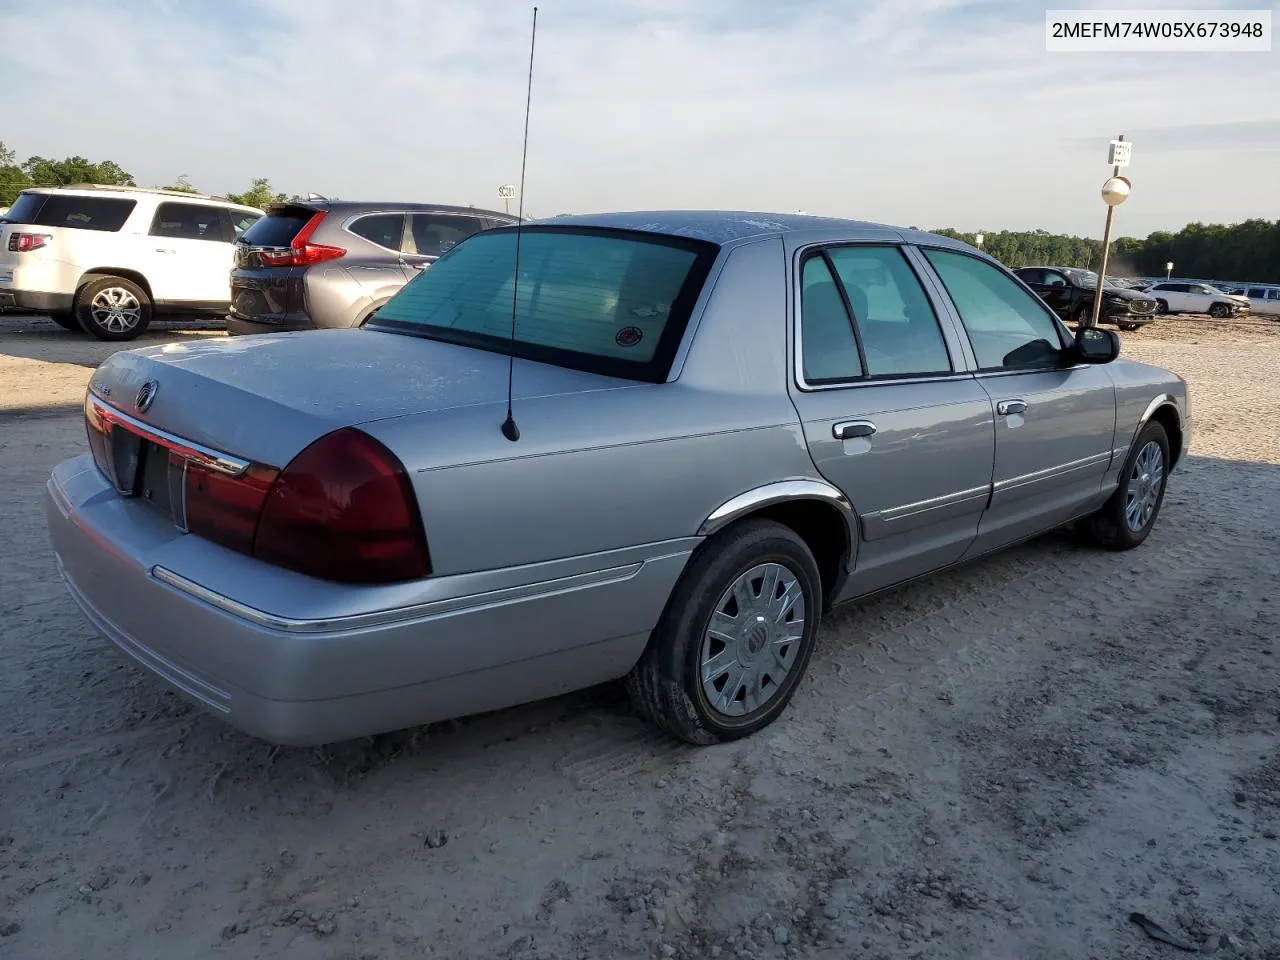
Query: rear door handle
(852,429)
(1007,407)
(165,250)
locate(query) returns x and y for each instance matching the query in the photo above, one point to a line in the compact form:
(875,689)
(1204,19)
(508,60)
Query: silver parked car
(724,425)
(333,263)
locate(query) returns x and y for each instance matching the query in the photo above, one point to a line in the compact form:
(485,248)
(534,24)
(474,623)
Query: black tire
(1082,314)
(93,312)
(1109,528)
(1129,327)
(67,321)
(1219,311)
(665,684)
(1162,306)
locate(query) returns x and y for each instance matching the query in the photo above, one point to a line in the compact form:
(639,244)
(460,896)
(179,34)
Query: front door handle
(852,429)
(1007,407)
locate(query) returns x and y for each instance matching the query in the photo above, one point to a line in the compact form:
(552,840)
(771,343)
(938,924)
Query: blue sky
(925,112)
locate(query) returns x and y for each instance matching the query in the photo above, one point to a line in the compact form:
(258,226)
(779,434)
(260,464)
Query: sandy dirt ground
(1004,761)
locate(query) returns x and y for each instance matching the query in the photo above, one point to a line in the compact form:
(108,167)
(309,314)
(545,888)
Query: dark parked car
(329,263)
(1069,291)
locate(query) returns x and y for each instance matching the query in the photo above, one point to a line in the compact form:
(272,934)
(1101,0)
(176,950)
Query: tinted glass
(1008,327)
(899,330)
(63,210)
(277,229)
(433,234)
(188,221)
(384,229)
(240,221)
(1054,279)
(593,300)
(828,351)
(1030,276)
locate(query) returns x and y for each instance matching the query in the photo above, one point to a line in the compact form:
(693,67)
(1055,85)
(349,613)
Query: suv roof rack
(132,189)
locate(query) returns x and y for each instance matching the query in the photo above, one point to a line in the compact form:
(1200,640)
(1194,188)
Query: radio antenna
(509,428)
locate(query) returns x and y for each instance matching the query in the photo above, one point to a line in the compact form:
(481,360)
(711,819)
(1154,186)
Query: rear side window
(384,229)
(1007,326)
(278,229)
(67,210)
(242,220)
(435,234)
(609,302)
(189,221)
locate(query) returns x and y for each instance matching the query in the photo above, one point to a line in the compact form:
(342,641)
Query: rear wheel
(1126,519)
(735,638)
(1082,314)
(113,308)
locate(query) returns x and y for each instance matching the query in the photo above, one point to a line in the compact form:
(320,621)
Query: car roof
(124,193)
(728,226)
(372,206)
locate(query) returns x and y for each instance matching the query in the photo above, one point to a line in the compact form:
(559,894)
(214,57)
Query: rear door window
(68,210)
(189,221)
(435,234)
(384,229)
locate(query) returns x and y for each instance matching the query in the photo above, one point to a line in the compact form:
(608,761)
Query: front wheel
(1218,311)
(1162,306)
(1129,327)
(113,308)
(735,638)
(1126,519)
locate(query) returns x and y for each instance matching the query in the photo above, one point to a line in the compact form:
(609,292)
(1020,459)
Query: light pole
(1115,191)
(1168,270)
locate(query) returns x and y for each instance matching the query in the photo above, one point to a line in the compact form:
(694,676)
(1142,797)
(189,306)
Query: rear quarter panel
(643,464)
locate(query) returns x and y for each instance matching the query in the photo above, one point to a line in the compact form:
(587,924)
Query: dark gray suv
(331,263)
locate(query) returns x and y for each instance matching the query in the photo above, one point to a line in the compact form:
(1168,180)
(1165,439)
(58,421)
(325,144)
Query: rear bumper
(239,326)
(28,301)
(299,661)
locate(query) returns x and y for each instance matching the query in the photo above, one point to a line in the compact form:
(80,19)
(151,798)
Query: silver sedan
(660,449)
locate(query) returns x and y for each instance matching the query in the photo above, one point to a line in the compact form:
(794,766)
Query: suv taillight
(26,242)
(302,252)
(344,509)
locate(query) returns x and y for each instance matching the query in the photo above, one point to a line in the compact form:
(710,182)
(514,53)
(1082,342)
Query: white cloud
(930,112)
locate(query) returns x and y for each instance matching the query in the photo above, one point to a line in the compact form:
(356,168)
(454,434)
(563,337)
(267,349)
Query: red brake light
(223,508)
(302,253)
(26,242)
(344,509)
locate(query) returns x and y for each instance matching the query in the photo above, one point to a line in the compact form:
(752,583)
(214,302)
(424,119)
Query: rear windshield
(68,210)
(278,229)
(611,302)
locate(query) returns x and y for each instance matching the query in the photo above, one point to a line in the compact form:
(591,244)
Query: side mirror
(1094,345)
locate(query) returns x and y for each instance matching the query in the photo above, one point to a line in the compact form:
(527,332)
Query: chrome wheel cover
(1145,482)
(752,640)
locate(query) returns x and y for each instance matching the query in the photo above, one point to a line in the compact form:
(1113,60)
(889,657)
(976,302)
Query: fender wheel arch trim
(1161,400)
(784,491)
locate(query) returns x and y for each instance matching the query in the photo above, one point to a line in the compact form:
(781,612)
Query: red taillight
(97,432)
(302,253)
(223,508)
(26,242)
(344,509)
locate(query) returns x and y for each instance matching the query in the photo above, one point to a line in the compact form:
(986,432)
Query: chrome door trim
(1050,472)
(911,516)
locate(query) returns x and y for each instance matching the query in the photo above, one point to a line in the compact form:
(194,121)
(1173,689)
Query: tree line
(39,171)
(1247,252)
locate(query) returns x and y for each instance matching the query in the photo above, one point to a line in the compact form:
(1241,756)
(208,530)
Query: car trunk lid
(265,398)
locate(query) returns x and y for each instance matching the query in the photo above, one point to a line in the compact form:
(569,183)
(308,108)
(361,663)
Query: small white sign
(507,192)
(1118,155)
(1169,265)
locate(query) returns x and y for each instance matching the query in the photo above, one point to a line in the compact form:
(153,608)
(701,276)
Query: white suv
(103,259)
(1184,297)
